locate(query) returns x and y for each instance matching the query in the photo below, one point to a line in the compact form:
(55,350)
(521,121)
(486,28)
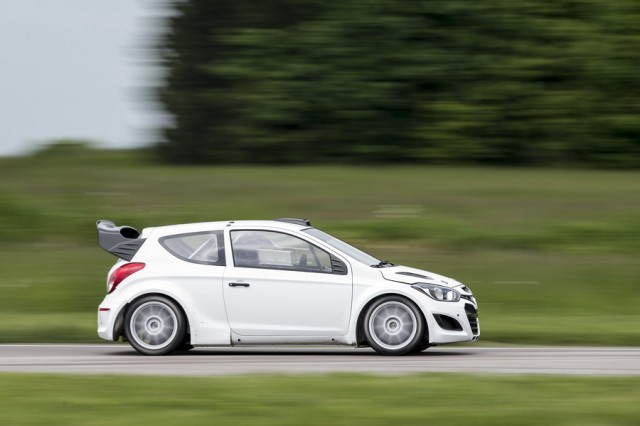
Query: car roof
(212,226)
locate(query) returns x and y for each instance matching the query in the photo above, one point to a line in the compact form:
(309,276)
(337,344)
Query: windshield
(345,248)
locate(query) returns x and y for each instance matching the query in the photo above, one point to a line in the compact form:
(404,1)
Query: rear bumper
(108,315)
(105,324)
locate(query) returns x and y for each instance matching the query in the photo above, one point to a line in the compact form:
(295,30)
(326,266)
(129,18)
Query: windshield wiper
(383,264)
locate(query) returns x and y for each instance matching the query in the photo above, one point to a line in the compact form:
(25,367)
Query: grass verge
(442,399)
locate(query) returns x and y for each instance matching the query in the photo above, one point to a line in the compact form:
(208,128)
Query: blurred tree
(497,81)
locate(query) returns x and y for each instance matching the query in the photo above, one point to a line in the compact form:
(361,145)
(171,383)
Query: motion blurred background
(497,142)
(494,141)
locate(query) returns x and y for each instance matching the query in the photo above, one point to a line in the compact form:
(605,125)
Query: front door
(277,284)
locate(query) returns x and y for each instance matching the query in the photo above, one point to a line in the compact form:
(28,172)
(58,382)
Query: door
(278,284)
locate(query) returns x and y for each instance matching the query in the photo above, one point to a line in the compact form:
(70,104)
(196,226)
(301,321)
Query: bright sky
(75,69)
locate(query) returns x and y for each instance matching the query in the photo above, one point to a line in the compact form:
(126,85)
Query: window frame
(332,257)
(222,256)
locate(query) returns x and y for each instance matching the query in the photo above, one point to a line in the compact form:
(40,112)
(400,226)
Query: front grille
(472,316)
(469,298)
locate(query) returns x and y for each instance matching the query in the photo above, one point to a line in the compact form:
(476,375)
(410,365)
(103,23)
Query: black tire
(394,325)
(423,346)
(184,347)
(155,325)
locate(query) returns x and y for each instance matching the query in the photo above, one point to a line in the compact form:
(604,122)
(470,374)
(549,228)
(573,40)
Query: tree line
(533,82)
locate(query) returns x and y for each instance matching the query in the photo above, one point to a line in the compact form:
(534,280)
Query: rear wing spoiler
(120,241)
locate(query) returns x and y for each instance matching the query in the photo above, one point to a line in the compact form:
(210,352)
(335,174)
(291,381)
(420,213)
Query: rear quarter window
(198,247)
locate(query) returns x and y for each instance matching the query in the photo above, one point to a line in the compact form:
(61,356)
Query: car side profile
(274,282)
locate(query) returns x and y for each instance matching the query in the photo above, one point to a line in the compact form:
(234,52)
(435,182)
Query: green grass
(551,254)
(440,399)
(48,327)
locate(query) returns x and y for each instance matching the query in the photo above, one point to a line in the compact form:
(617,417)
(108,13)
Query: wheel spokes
(393,325)
(154,325)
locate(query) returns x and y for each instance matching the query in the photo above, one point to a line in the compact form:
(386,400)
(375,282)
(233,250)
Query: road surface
(122,359)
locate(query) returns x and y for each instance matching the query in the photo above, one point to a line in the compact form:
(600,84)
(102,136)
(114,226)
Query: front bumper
(453,322)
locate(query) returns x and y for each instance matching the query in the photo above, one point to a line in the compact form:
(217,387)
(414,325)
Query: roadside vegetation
(443,399)
(551,254)
(527,82)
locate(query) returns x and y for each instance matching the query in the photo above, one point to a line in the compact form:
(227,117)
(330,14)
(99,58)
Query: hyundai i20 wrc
(274,282)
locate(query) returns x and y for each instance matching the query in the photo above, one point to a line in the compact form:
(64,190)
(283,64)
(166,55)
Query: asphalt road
(122,359)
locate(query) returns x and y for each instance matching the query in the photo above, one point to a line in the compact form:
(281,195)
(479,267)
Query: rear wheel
(155,325)
(394,325)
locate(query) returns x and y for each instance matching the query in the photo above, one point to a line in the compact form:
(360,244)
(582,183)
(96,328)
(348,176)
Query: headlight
(438,292)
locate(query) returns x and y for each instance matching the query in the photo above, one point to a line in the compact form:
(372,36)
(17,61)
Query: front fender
(365,293)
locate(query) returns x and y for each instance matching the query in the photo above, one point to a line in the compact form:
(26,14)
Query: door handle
(238,284)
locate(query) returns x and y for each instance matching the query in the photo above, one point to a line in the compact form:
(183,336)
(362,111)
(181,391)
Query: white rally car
(271,282)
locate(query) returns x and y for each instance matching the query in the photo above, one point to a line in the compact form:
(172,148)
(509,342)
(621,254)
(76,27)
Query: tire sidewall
(179,337)
(420,326)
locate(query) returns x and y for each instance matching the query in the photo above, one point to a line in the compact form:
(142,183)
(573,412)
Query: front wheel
(394,325)
(155,325)
(423,346)
(184,347)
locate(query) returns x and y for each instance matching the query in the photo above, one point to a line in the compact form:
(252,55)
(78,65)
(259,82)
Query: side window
(275,250)
(198,247)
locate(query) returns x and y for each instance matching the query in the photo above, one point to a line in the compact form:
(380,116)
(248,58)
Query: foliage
(64,148)
(429,81)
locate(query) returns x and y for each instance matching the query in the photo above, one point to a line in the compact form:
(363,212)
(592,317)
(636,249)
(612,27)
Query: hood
(407,275)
